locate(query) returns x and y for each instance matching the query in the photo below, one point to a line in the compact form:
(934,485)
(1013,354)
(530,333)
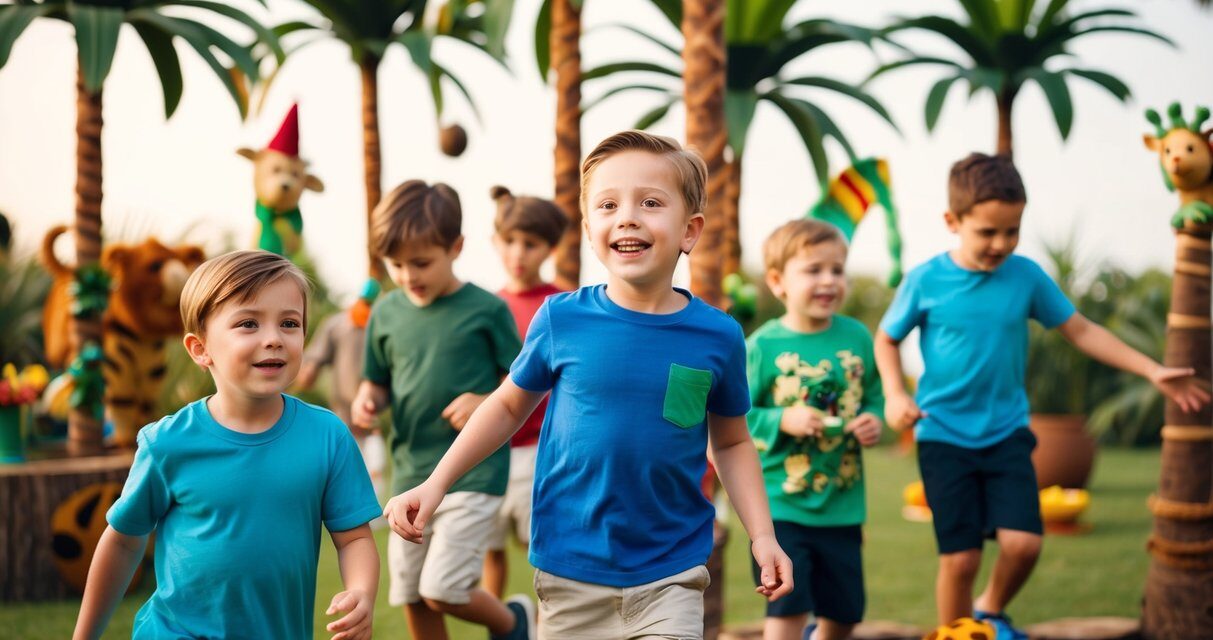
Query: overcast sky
(169,177)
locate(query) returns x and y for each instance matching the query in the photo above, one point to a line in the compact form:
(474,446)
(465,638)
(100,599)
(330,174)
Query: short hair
(238,276)
(416,213)
(688,165)
(979,178)
(790,238)
(535,216)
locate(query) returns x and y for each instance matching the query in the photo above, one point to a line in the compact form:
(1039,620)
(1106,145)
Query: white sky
(169,177)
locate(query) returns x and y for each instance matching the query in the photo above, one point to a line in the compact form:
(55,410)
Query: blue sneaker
(1003,629)
(808,631)
(524,619)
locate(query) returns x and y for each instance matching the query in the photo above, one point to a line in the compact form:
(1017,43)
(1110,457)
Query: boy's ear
(952,220)
(693,231)
(197,350)
(774,279)
(456,248)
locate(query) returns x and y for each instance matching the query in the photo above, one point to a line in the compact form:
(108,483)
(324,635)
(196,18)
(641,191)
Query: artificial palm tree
(1010,43)
(759,46)
(97,24)
(370,27)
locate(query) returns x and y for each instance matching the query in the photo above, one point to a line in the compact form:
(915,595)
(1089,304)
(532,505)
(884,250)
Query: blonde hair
(788,240)
(416,212)
(691,171)
(238,276)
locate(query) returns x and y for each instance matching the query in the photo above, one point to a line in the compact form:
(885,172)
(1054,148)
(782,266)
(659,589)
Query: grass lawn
(1099,573)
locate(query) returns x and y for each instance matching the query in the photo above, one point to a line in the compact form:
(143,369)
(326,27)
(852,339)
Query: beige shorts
(670,608)
(515,514)
(446,567)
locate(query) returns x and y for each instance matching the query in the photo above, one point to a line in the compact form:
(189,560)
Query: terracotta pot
(1064,452)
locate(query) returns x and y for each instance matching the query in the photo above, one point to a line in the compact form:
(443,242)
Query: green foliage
(759,47)
(1009,43)
(23,288)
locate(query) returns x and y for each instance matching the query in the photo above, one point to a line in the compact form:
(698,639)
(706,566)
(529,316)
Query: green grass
(1099,573)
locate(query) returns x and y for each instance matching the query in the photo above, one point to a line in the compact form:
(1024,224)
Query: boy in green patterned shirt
(816,399)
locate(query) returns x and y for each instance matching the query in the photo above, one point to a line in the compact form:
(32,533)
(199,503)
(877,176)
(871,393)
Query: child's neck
(801,323)
(522,285)
(245,414)
(656,298)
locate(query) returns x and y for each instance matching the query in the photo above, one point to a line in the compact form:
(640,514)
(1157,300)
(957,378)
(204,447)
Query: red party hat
(286,141)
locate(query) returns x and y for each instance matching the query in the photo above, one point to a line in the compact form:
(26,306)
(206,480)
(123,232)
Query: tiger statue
(141,315)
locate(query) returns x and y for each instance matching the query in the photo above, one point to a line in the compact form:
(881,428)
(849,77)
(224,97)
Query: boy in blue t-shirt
(642,376)
(237,484)
(971,306)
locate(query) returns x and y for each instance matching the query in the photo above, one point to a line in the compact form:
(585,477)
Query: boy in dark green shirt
(816,397)
(435,349)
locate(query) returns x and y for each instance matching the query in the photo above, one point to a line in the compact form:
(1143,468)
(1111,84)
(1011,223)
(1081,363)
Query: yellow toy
(76,527)
(962,629)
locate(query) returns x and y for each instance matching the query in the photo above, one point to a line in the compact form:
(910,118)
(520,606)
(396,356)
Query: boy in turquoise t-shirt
(971,306)
(434,349)
(236,485)
(816,400)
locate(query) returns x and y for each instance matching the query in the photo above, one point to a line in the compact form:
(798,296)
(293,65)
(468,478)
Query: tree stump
(29,494)
(1087,629)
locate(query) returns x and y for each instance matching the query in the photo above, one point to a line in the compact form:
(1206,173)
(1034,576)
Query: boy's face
(989,233)
(522,253)
(812,283)
(253,349)
(636,220)
(425,272)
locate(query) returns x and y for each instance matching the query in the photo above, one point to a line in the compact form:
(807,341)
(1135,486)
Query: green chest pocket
(686,395)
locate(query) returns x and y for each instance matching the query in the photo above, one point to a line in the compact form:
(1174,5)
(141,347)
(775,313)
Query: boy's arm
(368,402)
(737,465)
(114,565)
(359,563)
(494,421)
(1180,385)
(900,410)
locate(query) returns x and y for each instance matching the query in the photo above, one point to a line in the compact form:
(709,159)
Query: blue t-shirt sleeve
(145,496)
(905,312)
(532,369)
(1049,306)
(730,396)
(375,366)
(349,499)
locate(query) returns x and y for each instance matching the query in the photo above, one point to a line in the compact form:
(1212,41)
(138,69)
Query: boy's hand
(801,422)
(461,408)
(866,429)
(363,410)
(901,412)
(775,568)
(409,512)
(356,624)
(1181,386)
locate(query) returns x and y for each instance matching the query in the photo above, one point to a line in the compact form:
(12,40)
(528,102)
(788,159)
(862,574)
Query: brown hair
(532,215)
(416,212)
(688,165)
(979,178)
(239,276)
(789,239)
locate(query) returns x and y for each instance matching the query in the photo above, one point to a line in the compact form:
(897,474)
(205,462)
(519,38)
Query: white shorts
(447,566)
(515,513)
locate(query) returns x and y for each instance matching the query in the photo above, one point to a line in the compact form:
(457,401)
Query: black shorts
(827,570)
(974,492)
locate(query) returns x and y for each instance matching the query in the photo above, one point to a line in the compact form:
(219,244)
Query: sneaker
(808,631)
(1003,629)
(524,619)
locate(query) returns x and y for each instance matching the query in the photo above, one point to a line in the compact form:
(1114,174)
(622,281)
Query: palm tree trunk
(84,429)
(704,62)
(566,61)
(370,153)
(732,218)
(1006,100)
(1179,584)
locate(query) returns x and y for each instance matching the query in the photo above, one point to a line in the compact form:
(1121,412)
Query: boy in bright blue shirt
(236,485)
(971,306)
(642,376)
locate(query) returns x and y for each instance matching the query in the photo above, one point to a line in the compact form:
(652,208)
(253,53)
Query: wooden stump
(1087,629)
(29,494)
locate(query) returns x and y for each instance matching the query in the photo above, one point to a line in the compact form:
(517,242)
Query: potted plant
(17,392)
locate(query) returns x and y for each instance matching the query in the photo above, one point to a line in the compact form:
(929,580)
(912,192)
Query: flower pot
(1065,452)
(12,442)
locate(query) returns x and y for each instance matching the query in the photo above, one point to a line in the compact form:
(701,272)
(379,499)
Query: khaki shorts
(670,608)
(515,511)
(447,566)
